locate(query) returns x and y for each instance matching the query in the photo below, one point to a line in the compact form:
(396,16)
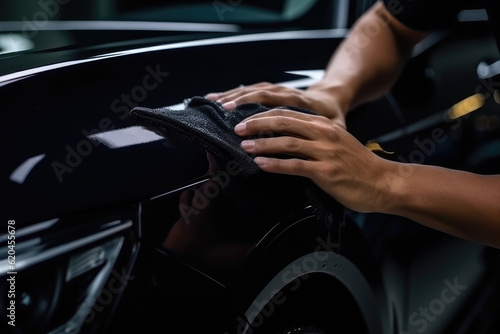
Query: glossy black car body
(118,229)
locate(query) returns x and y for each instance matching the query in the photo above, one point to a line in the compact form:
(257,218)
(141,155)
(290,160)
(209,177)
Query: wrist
(338,97)
(393,182)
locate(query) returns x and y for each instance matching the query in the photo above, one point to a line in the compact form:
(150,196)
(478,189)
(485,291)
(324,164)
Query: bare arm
(364,66)
(459,203)
(369,60)
(463,204)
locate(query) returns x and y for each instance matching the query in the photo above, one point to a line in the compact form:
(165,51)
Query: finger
(272,99)
(215,96)
(281,145)
(233,94)
(287,113)
(262,97)
(264,93)
(249,88)
(268,98)
(223,97)
(296,167)
(277,124)
(246,95)
(284,121)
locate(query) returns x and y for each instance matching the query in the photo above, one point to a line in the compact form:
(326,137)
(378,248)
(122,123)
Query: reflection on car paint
(133,135)
(20,174)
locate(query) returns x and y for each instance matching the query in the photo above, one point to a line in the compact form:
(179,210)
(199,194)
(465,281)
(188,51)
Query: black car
(108,227)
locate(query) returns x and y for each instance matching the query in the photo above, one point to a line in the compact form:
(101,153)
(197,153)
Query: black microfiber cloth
(209,124)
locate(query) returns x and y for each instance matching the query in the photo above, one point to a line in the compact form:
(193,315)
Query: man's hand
(322,151)
(456,202)
(315,99)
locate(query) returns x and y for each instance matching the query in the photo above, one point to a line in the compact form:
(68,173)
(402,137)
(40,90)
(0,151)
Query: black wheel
(318,305)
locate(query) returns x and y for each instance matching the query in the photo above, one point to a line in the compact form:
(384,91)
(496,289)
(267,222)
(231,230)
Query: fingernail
(229,106)
(262,162)
(240,128)
(212,96)
(248,145)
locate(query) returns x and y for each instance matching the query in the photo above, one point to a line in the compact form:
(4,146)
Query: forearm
(456,202)
(459,203)
(369,60)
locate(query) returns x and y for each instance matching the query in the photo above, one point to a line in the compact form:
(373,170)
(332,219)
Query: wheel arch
(335,281)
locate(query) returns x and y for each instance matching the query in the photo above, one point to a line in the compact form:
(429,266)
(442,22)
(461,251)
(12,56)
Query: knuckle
(330,130)
(242,99)
(297,166)
(297,100)
(281,123)
(330,169)
(263,94)
(260,145)
(252,125)
(291,144)
(321,172)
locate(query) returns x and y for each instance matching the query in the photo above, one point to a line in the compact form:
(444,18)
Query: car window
(213,11)
(57,24)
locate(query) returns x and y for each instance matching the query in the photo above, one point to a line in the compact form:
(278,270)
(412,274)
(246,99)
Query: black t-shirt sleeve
(425,14)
